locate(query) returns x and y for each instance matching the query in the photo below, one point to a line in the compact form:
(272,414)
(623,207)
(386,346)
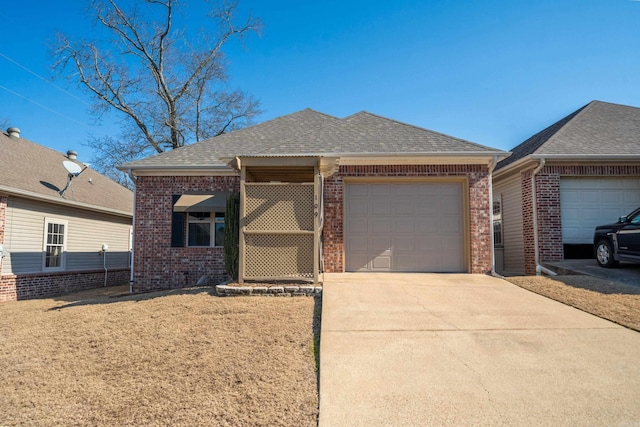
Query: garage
(587,202)
(407,226)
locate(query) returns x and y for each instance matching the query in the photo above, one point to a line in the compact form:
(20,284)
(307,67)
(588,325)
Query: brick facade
(3,217)
(549,208)
(16,287)
(157,265)
(479,209)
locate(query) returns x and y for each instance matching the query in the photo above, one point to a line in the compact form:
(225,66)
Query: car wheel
(604,254)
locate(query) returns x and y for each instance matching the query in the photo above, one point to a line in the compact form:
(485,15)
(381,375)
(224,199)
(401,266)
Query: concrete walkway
(433,349)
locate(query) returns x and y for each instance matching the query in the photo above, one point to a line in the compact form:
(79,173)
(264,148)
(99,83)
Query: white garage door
(589,202)
(404,227)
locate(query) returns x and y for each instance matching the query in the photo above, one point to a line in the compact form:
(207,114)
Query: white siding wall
(510,190)
(86,233)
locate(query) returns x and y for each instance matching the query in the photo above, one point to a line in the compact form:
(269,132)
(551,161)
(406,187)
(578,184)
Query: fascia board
(184,171)
(423,158)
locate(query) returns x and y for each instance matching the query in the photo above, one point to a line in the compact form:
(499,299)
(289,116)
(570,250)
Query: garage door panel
(358,206)
(358,243)
(407,207)
(410,227)
(358,226)
(405,226)
(358,190)
(380,207)
(381,263)
(380,190)
(404,244)
(587,202)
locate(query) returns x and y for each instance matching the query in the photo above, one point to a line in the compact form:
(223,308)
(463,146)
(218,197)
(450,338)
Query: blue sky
(493,72)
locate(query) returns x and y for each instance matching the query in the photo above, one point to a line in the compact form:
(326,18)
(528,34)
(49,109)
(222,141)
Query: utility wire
(44,79)
(44,106)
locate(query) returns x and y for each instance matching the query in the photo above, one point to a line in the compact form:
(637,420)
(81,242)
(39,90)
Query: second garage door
(404,227)
(591,201)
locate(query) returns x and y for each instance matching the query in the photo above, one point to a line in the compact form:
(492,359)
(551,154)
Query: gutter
(133,228)
(522,163)
(492,166)
(539,268)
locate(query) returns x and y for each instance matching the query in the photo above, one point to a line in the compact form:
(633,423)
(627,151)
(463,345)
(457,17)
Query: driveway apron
(457,349)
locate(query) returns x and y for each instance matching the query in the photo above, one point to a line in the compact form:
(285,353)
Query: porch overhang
(201,202)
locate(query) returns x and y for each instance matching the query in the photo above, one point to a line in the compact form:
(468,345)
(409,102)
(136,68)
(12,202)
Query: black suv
(617,242)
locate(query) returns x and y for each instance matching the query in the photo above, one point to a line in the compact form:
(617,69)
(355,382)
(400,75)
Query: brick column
(3,221)
(527,224)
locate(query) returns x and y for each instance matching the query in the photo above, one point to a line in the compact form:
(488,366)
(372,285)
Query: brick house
(51,234)
(584,171)
(317,194)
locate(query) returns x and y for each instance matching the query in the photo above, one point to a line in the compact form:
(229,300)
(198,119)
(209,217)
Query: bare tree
(169,88)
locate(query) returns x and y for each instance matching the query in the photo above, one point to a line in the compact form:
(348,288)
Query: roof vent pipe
(72,155)
(14,132)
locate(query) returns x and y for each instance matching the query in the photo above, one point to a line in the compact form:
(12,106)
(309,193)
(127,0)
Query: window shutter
(177,226)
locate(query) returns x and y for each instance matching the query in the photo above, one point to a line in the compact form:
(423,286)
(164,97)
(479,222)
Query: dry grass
(179,358)
(607,299)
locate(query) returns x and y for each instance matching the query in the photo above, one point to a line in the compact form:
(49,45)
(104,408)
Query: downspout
(104,263)
(133,229)
(536,245)
(492,166)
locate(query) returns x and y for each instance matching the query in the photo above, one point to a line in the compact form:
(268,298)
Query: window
(200,226)
(55,240)
(198,219)
(497,223)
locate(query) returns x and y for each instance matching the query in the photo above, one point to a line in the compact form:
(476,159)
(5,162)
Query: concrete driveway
(433,349)
(625,272)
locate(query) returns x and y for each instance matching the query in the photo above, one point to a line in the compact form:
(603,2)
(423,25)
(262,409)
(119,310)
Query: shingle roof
(598,128)
(29,168)
(310,133)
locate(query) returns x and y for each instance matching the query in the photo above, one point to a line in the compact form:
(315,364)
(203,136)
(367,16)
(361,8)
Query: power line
(49,82)
(44,106)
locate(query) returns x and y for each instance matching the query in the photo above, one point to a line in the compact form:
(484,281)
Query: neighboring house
(584,171)
(52,240)
(318,193)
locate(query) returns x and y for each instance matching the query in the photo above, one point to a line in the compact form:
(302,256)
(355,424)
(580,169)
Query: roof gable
(310,133)
(246,141)
(598,128)
(30,169)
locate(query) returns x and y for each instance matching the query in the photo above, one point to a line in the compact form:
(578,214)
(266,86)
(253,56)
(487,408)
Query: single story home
(317,194)
(549,195)
(63,226)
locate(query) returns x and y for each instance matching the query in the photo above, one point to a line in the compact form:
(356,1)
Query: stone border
(284,291)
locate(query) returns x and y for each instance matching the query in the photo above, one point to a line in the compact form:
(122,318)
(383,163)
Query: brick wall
(549,207)
(38,285)
(3,217)
(527,224)
(156,264)
(479,215)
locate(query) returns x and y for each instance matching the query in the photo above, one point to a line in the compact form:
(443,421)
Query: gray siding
(510,191)
(86,233)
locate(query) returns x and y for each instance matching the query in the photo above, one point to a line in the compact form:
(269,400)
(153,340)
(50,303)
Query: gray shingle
(310,133)
(28,167)
(598,128)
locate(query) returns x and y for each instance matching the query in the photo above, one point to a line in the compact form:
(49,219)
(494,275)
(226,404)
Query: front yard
(179,358)
(610,300)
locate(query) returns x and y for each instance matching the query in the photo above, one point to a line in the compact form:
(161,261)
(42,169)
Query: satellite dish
(71,167)
(74,170)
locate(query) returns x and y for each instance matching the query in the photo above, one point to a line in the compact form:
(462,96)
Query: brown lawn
(179,358)
(607,299)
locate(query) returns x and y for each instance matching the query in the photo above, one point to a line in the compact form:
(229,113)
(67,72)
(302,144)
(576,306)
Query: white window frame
(212,221)
(498,235)
(45,244)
